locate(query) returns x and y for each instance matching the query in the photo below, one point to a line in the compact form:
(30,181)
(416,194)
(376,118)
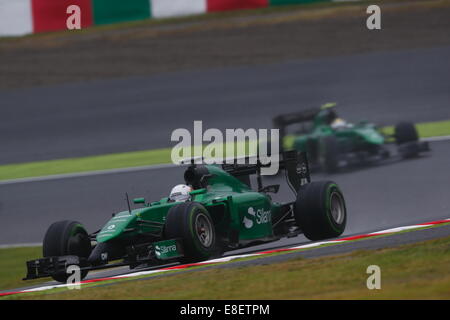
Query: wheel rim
(203,229)
(337,207)
(79,245)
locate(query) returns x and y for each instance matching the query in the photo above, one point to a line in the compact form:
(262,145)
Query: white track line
(439,138)
(20,245)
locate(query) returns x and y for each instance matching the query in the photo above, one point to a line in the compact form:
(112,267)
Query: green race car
(222,212)
(331,142)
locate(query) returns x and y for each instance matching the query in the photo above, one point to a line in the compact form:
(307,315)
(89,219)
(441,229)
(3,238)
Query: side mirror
(138,200)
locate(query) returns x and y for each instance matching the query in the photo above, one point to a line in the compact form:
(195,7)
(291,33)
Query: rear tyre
(385,153)
(329,154)
(407,139)
(192,223)
(320,210)
(65,238)
(405,132)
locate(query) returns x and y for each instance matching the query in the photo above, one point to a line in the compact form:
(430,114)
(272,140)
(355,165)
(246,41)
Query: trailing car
(330,141)
(221,212)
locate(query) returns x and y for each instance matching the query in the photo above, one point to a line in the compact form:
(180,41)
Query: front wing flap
(150,253)
(46,267)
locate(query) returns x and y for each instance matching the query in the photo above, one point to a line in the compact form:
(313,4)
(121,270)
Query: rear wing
(281,122)
(284,120)
(296,168)
(294,163)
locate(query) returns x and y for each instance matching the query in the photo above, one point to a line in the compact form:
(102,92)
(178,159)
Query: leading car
(216,210)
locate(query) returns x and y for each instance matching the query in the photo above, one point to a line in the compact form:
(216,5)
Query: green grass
(12,266)
(427,129)
(85,164)
(416,271)
(143,158)
(94,163)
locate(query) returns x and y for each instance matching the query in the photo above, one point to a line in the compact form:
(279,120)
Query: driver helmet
(338,123)
(180,193)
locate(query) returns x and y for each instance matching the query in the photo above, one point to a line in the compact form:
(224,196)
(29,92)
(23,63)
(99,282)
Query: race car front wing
(156,253)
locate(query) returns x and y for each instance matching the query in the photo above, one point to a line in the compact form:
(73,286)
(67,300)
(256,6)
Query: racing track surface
(115,115)
(141,112)
(391,194)
(381,196)
(383,87)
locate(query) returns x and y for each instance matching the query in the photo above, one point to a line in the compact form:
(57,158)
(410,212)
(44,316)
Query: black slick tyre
(192,223)
(405,132)
(320,210)
(66,238)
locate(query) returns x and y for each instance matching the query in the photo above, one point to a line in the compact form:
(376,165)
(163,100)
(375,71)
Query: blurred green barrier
(112,11)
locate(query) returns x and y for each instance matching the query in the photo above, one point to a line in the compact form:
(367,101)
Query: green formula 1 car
(331,142)
(222,213)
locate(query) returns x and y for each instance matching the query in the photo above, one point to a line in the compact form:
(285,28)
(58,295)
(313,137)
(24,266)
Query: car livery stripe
(230,258)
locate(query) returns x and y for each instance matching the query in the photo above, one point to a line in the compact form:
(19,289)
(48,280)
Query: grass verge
(427,129)
(415,271)
(145,158)
(13,259)
(12,266)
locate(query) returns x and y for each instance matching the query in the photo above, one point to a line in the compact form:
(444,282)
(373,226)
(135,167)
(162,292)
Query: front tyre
(192,223)
(65,238)
(407,138)
(320,210)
